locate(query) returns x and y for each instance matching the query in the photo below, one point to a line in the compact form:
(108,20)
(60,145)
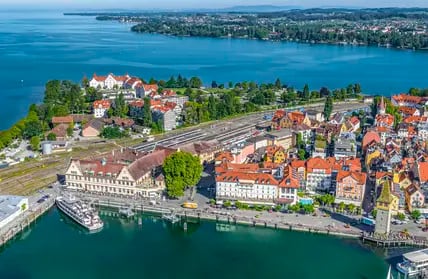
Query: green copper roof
(385,195)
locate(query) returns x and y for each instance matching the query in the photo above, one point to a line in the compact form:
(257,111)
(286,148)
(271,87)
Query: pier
(393,242)
(22,222)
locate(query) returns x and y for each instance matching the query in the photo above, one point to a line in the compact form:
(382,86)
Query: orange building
(350,187)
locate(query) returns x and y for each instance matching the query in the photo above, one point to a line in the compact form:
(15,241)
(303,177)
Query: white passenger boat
(80,212)
(414,264)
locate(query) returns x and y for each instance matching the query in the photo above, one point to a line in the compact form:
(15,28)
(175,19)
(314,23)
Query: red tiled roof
(382,174)
(147,163)
(423,171)
(407,98)
(298,164)
(137,104)
(360,177)
(154,103)
(407,110)
(415,119)
(278,115)
(386,119)
(257,178)
(168,93)
(98,167)
(247,168)
(103,78)
(296,116)
(272,149)
(62,119)
(370,137)
(170,105)
(224,156)
(60,130)
(102,104)
(150,87)
(354,120)
(318,163)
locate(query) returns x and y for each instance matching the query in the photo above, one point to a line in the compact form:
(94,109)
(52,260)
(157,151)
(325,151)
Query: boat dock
(393,242)
(185,214)
(22,222)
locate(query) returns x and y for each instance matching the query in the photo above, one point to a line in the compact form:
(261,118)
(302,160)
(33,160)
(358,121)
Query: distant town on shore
(402,28)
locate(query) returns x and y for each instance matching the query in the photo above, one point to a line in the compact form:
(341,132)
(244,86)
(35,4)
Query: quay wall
(201,215)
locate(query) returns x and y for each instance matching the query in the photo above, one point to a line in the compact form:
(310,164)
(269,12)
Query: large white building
(256,188)
(108,82)
(140,178)
(11,207)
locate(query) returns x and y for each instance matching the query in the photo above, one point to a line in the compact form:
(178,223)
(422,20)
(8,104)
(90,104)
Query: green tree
(278,84)
(120,107)
(112,133)
(357,88)
(35,143)
(52,92)
(85,82)
(51,136)
(195,82)
(227,204)
(32,128)
(306,92)
(212,106)
(69,131)
(328,107)
(401,216)
(341,206)
(309,208)
(181,170)
(147,113)
(93,94)
(351,208)
(326,199)
(416,214)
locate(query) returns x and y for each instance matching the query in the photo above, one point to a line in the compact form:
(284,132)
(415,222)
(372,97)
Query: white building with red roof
(100,108)
(138,178)
(318,174)
(256,188)
(405,100)
(108,82)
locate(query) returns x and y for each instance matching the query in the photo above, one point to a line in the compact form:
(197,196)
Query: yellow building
(371,156)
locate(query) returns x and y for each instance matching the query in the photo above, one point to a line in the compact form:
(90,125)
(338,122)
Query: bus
(190,205)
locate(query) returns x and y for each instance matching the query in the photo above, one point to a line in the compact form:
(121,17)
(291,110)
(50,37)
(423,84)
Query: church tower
(383,206)
(382,107)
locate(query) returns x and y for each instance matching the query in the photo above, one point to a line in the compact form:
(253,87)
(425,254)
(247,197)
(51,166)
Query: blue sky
(176,4)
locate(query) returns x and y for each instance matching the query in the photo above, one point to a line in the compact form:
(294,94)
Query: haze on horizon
(211,4)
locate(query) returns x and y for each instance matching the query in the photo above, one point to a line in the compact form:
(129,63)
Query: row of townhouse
(256,187)
(342,177)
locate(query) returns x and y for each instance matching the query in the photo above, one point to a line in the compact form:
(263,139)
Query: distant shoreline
(171,27)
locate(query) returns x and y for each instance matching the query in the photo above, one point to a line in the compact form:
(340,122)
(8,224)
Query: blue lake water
(57,248)
(38,46)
